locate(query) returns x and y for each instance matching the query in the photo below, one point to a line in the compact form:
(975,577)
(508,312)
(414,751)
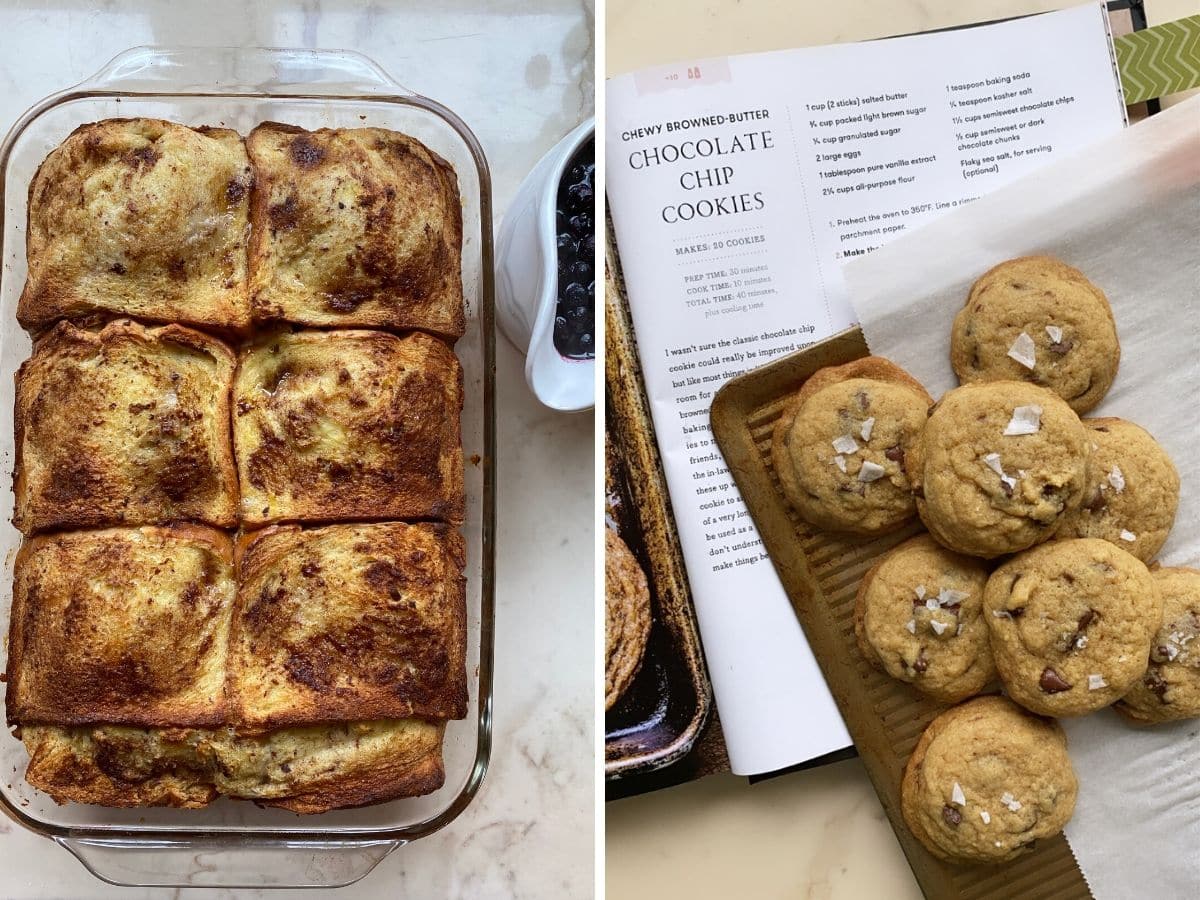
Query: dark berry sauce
(575,317)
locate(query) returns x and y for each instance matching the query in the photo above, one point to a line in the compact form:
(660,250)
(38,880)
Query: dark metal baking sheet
(660,716)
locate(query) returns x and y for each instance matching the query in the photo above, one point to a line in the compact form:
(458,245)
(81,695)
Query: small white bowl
(527,282)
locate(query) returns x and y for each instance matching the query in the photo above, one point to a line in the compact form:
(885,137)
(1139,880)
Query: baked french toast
(161,650)
(124,425)
(141,218)
(354,227)
(123,625)
(349,622)
(306,770)
(348,425)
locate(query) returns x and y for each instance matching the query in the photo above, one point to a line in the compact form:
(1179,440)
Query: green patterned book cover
(1161,60)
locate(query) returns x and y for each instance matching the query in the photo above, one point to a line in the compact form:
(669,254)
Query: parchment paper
(1126,212)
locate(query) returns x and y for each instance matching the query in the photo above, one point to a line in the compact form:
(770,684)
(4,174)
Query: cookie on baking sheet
(986,781)
(918,616)
(1071,624)
(1038,319)
(626,617)
(841,446)
(998,466)
(1170,688)
(1132,492)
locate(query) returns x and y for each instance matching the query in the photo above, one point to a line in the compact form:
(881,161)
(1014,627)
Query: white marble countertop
(819,834)
(521,75)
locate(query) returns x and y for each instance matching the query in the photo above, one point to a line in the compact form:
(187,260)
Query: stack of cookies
(1036,569)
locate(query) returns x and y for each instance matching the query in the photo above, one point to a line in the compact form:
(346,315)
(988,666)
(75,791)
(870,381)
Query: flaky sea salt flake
(949,596)
(870,471)
(938,627)
(1025,420)
(840,462)
(931,603)
(986,816)
(1022,350)
(911,625)
(1127,535)
(1054,333)
(865,431)
(957,795)
(1117,479)
(992,461)
(1010,801)
(1001,614)
(845,444)
(1096,683)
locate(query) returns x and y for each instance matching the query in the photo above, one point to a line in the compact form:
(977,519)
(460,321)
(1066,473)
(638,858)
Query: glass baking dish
(234,843)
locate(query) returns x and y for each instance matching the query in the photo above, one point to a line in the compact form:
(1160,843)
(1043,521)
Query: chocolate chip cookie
(841,446)
(1071,624)
(998,466)
(1170,688)
(626,617)
(1132,492)
(1037,319)
(986,781)
(918,617)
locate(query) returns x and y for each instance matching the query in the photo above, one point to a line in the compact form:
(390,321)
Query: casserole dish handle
(228,861)
(241,71)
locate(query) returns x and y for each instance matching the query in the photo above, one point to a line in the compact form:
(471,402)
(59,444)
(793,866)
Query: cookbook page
(737,187)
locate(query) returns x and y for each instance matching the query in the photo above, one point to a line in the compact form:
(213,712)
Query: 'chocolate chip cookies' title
(705,164)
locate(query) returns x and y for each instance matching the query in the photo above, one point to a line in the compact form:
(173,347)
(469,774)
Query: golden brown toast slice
(349,622)
(358,227)
(348,425)
(305,770)
(124,425)
(142,218)
(124,625)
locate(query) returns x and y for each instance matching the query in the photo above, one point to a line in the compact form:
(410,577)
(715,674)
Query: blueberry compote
(575,318)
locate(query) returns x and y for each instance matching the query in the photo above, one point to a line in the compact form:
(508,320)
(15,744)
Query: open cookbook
(738,189)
